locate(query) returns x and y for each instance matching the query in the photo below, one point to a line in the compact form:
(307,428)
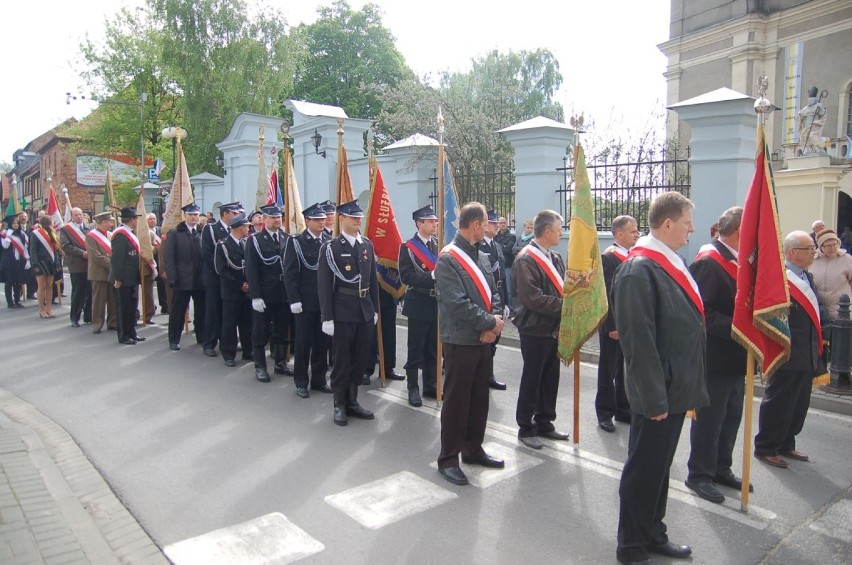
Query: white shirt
(351,238)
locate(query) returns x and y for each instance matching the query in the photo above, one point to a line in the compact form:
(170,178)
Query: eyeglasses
(811,248)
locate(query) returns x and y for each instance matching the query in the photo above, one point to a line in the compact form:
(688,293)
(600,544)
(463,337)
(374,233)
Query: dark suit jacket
(421,302)
(349,261)
(540,310)
(300,272)
(266,281)
(610,262)
(183,258)
(212,234)
(124,261)
(74,251)
(662,336)
(725,357)
(803,339)
(229,262)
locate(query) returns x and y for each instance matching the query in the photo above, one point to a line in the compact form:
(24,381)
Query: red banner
(384,233)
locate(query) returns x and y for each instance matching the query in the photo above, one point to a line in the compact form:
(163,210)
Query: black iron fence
(495,189)
(627,187)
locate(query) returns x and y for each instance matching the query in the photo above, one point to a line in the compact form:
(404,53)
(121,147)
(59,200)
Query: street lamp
(220,162)
(316,139)
(174,133)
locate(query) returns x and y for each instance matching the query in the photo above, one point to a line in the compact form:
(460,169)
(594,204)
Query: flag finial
(762,105)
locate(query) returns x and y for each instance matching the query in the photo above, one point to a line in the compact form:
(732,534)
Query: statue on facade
(811,120)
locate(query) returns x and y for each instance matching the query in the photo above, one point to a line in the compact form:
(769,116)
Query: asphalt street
(205,457)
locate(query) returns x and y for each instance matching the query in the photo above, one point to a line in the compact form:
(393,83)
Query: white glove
(28,265)
(433,275)
(296,308)
(375,319)
(506,312)
(258,304)
(328,327)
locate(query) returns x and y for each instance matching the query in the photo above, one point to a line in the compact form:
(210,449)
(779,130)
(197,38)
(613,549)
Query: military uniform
(495,256)
(229,263)
(265,275)
(349,297)
(182,256)
(99,250)
(210,237)
(124,267)
(417,258)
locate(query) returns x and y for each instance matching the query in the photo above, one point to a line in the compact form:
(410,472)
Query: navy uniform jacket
(182,258)
(339,261)
(124,261)
(265,266)
(300,269)
(230,264)
(421,302)
(498,263)
(210,236)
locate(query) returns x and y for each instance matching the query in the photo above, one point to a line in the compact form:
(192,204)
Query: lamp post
(316,139)
(174,133)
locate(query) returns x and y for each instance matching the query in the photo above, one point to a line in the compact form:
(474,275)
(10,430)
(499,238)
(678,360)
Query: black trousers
(714,431)
(177,315)
(387,303)
(311,350)
(644,488)
(81,297)
(212,329)
(125,302)
(13,293)
(236,315)
(536,408)
(351,349)
(783,411)
(423,353)
(162,295)
(271,326)
(611,400)
(465,411)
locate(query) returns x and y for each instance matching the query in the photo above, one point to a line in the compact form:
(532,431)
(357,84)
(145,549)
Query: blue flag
(451,204)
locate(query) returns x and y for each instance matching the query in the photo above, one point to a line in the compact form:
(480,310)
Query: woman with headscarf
(832,272)
(15,263)
(45,254)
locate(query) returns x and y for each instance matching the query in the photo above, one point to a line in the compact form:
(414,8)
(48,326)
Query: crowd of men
(665,348)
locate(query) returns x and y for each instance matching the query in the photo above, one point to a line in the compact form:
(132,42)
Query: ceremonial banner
(109,197)
(343,193)
(263,185)
(12,208)
(584,300)
(53,209)
(294,221)
(450,219)
(143,233)
(762,302)
(383,231)
(181,194)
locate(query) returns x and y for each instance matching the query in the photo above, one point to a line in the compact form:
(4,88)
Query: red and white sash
(709,250)
(619,252)
(546,265)
(102,240)
(134,241)
(645,248)
(473,270)
(156,240)
(75,233)
(46,241)
(19,246)
(801,292)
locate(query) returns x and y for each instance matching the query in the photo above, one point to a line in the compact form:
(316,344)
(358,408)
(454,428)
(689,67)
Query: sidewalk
(55,508)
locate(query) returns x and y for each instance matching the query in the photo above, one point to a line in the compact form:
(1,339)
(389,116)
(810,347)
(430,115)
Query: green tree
(347,50)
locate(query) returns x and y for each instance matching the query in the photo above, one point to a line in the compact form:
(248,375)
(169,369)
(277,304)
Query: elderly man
(98,252)
(470,310)
(72,236)
(660,321)
(539,276)
(816,228)
(611,399)
(157,244)
(788,393)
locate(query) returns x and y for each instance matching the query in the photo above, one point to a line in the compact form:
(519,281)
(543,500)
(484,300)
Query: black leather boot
(353,408)
(413,390)
(340,408)
(279,353)
(260,372)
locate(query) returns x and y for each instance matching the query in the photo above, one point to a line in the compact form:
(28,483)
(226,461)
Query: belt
(360,292)
(426,291)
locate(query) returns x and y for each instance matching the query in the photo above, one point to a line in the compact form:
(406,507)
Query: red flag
(272,193)
(384,233)
(53,208)
(763,300)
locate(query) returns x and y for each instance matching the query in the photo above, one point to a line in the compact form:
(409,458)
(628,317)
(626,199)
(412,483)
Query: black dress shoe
(729,479)
(414,397)
(230,363)
(138,338)
(302,392)
(670,550)
(429,393)
(357,411)
(531,441)
(174,346)
(261,375)
(340,414)
(706,490)
(553,434)
(210,352)
(454,475)
(485,461)
(394,376)
(322,388)
(366,380)
(283,369)
(75,324)
(607,426)
(126,342)
(495,384)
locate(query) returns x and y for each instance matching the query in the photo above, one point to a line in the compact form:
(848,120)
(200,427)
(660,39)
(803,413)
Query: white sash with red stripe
(473,270)
(46,242)
(134,241)
(20,247)
(709,250)
(75,233)
(650,247)
(619,252)
(102,240)
(802,293)
(546,265)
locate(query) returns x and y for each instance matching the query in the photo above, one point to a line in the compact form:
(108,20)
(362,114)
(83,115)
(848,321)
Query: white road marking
(756,517)
(269,539)
(516,462)
(388,500)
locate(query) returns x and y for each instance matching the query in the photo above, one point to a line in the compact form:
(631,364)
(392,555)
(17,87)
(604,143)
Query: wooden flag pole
(577,398)
(371,174)
(749,401)
(439,365)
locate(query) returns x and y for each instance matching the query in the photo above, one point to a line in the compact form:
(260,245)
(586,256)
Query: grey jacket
(663,337)
(461,309)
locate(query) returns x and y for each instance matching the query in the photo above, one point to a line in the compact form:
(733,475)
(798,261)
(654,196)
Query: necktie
(275,238)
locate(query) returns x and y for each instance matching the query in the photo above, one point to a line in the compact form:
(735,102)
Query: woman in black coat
(45,256)
(15,263)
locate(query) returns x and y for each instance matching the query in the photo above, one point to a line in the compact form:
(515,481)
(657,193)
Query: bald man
(72,237)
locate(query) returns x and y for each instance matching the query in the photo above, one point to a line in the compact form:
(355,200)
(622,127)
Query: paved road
(193,447)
